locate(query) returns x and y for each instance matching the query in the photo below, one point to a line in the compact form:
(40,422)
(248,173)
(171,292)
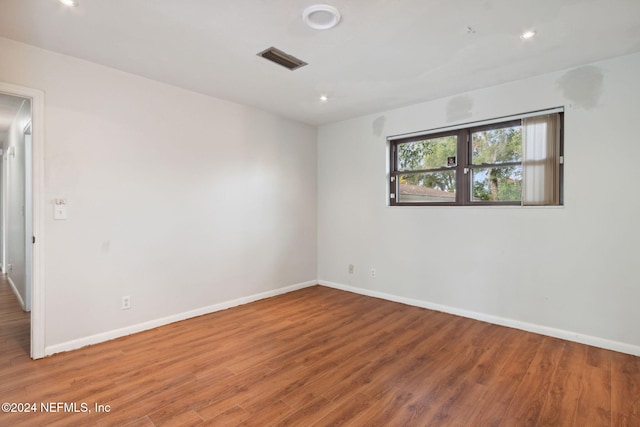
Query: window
(511,162)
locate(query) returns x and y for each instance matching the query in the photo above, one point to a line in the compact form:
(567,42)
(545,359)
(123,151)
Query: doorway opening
(21,189)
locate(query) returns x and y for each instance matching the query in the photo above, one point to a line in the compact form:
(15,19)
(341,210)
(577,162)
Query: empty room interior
(376,213)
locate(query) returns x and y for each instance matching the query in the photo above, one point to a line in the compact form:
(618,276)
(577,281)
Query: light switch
(60,210)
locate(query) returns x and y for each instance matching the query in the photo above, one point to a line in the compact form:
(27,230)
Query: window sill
(510,207)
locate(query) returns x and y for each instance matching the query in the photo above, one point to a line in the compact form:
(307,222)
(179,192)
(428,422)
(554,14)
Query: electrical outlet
(350,268)
(126,303)
(373,272)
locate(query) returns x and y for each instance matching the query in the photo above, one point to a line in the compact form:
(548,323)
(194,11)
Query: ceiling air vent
(281,58)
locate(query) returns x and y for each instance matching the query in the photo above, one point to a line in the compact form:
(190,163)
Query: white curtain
(541,160)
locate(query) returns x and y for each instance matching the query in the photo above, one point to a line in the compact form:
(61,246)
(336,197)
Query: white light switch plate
(60,212)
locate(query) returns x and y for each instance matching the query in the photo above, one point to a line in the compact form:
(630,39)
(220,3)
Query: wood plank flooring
(320,357)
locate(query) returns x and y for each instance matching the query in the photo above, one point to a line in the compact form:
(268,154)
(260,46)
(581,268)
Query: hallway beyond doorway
(14,326)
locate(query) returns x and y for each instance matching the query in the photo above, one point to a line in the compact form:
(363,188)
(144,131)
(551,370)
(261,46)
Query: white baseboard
(525,326)
(497,320)
(117,333)
(15,291)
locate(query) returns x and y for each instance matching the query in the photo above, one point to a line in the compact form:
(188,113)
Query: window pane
(502,183)
(427,154)
(496,146)
(432,187)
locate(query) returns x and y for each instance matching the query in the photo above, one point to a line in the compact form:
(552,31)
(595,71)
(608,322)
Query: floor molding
(15,291)
(117,333)
(512,323)
(497,320)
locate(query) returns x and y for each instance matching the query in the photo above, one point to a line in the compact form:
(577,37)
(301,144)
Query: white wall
(14,187)
(179,200)
(570,270)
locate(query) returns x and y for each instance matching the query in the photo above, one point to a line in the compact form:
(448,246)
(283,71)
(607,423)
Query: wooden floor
(321,357)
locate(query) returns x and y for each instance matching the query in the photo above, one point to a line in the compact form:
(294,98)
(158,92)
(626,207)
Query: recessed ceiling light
(321,16)
(72,3)
(527,35)
(324,98)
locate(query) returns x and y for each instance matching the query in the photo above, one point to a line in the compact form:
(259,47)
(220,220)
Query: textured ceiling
(383,54)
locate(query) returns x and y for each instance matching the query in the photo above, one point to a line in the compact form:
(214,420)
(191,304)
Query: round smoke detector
(321,16)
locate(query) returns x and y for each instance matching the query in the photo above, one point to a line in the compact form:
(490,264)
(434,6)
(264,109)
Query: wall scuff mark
(378,126)
(583,86)
(459,108)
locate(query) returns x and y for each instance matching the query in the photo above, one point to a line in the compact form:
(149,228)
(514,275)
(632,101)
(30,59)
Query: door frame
(28,214)
(38,203)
